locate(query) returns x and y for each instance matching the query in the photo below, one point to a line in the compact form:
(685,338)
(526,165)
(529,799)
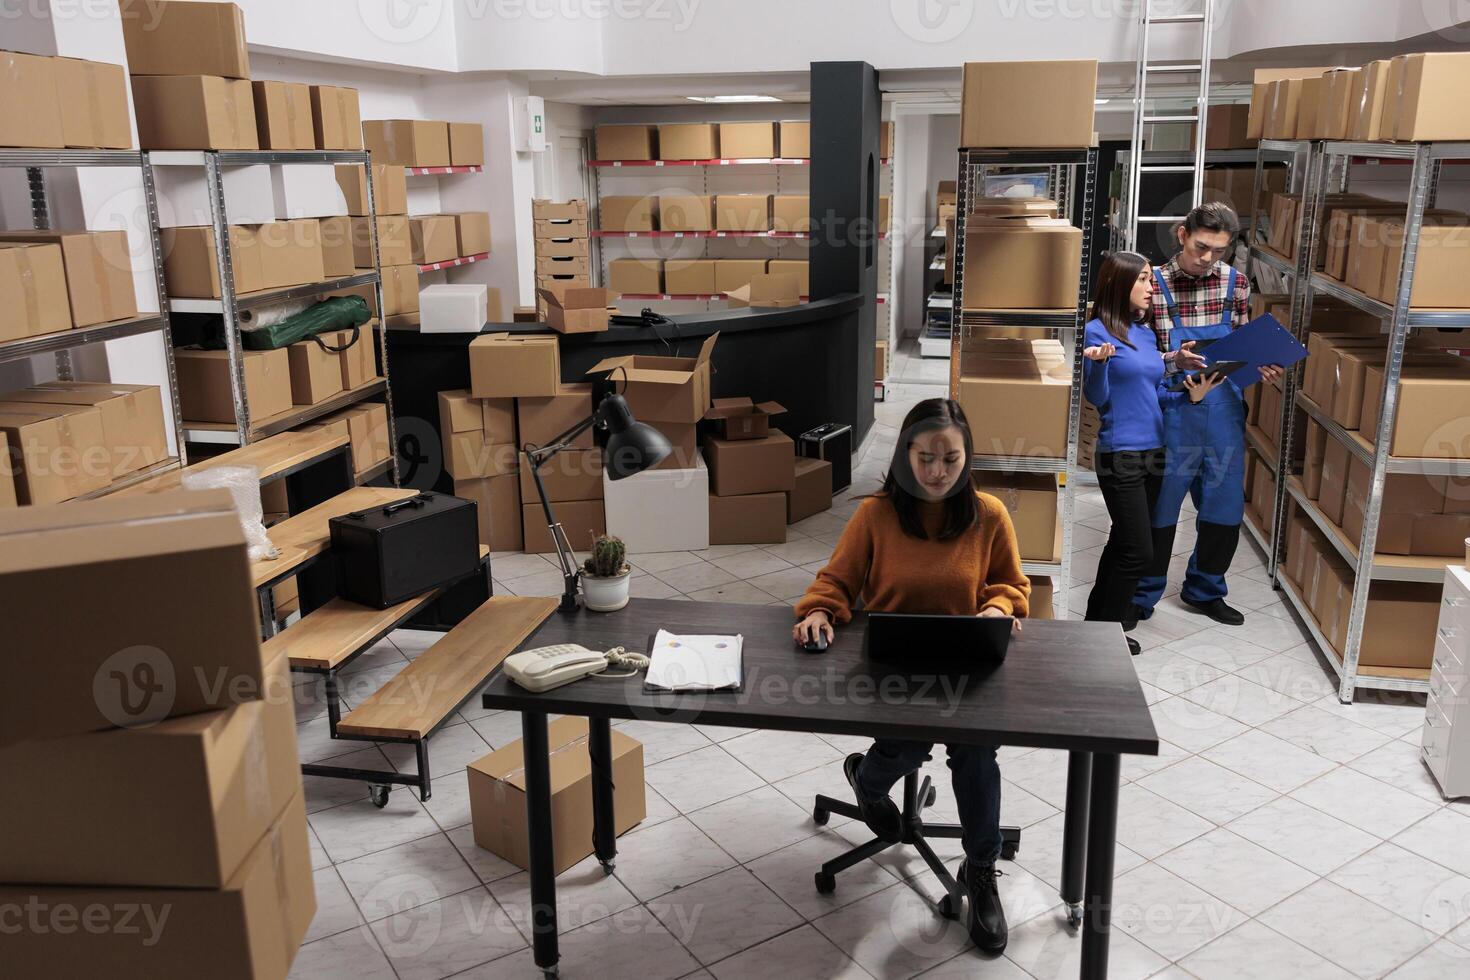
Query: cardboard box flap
(579,298)
(666,370)
(726,408)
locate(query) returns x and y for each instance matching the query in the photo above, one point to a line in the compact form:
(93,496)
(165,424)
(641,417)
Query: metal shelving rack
(62,343)
(1066,324)
(230,304)
(1329,165)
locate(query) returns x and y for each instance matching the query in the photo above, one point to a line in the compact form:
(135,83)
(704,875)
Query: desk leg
(604,823)
(1102,835)
(1074,833)
(538,821)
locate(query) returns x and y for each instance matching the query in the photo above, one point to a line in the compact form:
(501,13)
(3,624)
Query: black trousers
(1130,483)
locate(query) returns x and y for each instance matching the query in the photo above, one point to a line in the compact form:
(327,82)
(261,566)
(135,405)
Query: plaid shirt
(1200,299)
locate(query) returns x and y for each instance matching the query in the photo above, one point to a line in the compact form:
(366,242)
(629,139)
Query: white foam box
(452,308)
(183,196)
(659,510)
(305,190)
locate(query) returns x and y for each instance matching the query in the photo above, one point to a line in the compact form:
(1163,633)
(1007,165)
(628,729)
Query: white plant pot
(606,594)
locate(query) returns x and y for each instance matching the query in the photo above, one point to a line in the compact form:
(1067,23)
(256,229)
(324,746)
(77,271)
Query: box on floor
(478,435)
(111,558)
(194,112)
(659,389)
(407,142)
(583,521)
(204,383)
(1031,501)
(660,510)
(811,489)
(33,282)
(543,209)
(132,417)
(498,504)
(755,518)
(56,452)
(750,466)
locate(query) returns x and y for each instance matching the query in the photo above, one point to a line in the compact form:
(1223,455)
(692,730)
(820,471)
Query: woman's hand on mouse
(1099,353)
(817,624)
(990,612)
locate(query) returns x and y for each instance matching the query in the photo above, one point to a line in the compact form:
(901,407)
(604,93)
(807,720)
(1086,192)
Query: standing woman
(1123,378)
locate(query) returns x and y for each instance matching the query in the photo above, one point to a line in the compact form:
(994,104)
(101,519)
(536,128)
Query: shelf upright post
(225,267)
(1421,183)
(41,221)
(968,172)
(150,203)
(382,331)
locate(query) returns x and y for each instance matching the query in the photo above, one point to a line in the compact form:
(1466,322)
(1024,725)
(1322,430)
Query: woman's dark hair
(961,512)
(1112,303)
(1212,216)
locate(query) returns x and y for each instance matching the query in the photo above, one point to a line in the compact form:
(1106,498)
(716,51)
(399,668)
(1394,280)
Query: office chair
(916,797)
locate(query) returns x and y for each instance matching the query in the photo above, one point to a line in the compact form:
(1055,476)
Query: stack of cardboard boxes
(789,139)
(563,259)
(1413,97)
(52,103)
(1016,395)
(166,806)
(425,142)
(58,280)
(1031,500)
(752,473)
(400,274)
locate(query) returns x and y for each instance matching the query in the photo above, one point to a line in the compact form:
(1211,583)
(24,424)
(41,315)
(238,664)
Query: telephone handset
(549,667)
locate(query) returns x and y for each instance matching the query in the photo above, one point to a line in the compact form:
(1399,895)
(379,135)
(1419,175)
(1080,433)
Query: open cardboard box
(578,310)
(663,389)
(767,290)
(740,418)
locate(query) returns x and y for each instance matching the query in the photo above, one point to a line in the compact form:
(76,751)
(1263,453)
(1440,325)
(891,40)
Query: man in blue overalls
(1200,299)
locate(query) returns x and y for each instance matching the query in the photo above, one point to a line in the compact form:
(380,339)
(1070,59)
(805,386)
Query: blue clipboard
(1262,341)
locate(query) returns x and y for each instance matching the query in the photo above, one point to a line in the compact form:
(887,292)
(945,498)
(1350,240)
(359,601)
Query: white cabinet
(1446,742)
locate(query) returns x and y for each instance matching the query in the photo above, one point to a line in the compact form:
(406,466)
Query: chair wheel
(931,797)
(826,884)
(820,816)
(379,795)
(1008,851)
(1074,915)
(948,907)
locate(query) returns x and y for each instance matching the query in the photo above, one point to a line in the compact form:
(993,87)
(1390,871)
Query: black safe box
(832,442)
(396,551)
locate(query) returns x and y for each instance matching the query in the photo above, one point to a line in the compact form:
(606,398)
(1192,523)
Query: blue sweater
(1127,390)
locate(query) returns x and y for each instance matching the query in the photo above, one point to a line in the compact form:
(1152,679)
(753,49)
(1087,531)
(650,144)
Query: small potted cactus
(605,575)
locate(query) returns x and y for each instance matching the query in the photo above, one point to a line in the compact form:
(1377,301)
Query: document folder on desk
(695,663)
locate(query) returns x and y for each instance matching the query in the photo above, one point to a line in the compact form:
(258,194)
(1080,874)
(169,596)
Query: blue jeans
(974,774)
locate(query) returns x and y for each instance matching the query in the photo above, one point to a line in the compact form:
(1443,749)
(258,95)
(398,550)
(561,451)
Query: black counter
(785,355)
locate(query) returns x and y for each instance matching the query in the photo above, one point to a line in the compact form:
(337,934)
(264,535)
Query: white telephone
(548,667)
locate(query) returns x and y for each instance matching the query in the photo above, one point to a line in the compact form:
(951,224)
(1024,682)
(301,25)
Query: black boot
(1217,610)
(1130,621)
(1133,646)
(881,816)
(985,917)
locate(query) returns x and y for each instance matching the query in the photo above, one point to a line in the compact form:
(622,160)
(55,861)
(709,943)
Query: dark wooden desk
(1064,685)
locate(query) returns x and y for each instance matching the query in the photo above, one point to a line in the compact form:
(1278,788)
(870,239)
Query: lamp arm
(539,454)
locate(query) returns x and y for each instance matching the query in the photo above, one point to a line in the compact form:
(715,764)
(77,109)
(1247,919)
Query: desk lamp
(631,447)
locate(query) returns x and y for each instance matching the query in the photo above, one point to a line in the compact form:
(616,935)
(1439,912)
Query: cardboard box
(635,276)
(1312,463)
(1226,127)
(474,449)
(686,212)
(557,211)
(390,189)
(336,119)
(689,277)
(453,307)
(339,257)
(791,212)
(1368,99)
(540,420)
(633,212)
(472,232)
(400,289)
(32,291)
(190,265)
(358,362)
(1308,104)
(731,274)
(1439,264)
(283,117)
(1347,401)
(204,383)
(660,389)
(94,104)
(811,491)
(306,191)
(747,466)
(1433,417)
(113,557)
(1261,95)
(883,213)
(625,142)
(734,419)
(132,417)
(660,510)
(582,520)
(498,794)
(1284,108)
(1025,263)
(1429,97)
(1338,238)
(172,37)
(543,228)
(743,212)
(1333,487)
(367,427)
(194,112)
(466,144)
(800,268)
(407,142)
(765,291)
(57,451)
(316,374)
(183,195)
(291,252)
(1335,103)
(433,238)
(796,139)
(1025,383)
(498,508)
(514,366)
(30,104)
(556,248)
(578,310)
(7,481)
(688,141)
(573,474)
(1406,496)
(1028,104)
(1398,627)
(885,140)
(564,265)
(1031,501)
(756,518)
(395,241)
(684,439)
(748,140)
(880,360)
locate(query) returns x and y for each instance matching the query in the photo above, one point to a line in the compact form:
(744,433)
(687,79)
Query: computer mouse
(817,645)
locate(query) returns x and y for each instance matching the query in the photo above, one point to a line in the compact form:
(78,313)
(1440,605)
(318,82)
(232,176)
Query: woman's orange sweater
(893,572)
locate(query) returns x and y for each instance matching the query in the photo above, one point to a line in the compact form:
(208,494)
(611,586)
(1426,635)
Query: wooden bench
(436,684)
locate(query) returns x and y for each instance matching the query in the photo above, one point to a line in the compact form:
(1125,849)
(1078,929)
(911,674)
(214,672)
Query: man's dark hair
(1214,216)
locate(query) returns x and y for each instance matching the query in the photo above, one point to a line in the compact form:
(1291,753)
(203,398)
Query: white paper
(696,663)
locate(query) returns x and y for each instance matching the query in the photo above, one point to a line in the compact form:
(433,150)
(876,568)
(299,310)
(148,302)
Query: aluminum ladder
(1142,118)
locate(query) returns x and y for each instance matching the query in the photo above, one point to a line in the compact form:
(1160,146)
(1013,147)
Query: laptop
(937,642)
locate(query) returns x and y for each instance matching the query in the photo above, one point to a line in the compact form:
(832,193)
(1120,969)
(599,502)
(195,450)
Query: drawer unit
(1446,739)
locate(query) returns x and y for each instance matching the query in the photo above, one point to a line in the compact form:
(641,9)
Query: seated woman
(928,543)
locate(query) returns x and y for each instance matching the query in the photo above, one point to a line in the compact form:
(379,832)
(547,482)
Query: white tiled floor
(1278,834)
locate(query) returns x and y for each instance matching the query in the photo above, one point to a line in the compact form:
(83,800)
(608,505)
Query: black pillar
(845,111)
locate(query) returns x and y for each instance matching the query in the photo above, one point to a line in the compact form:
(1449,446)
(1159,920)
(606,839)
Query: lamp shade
(632,446)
